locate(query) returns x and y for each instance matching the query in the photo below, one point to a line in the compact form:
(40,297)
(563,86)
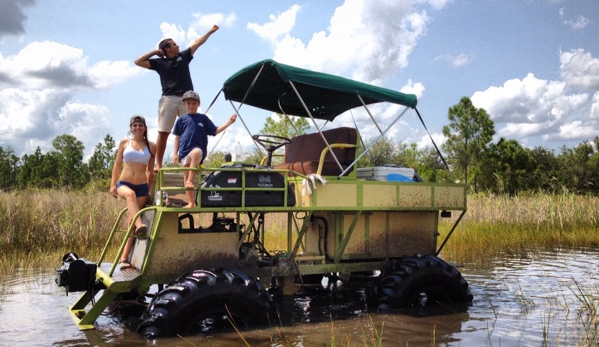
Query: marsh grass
(513,225)
(566,320)
(38,226)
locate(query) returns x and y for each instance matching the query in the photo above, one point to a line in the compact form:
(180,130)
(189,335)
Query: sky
(66,66)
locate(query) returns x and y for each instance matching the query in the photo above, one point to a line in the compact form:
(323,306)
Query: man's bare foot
(189,185)
(190,205)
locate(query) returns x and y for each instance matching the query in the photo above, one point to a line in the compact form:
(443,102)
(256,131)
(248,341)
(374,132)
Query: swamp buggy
(365,225)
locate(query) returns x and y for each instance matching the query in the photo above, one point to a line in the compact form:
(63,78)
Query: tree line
(469,156)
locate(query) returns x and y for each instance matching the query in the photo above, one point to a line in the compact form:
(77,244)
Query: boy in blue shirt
(191,139)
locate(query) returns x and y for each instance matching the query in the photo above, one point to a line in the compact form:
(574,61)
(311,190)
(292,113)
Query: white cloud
(108,73)
(579,69)
(595,106)
(203,22)
(437,4)
(457,60)
(366,41)
(425,141)
(576,130)
(536,107)
(29,119)
(43,78)
(49,64)
(173,31)
(198,27)
(413,88)
(577,23)
(278,26)
(520,130)
(88,123)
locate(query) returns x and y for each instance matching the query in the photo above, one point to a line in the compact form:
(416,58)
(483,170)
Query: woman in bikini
(135,156)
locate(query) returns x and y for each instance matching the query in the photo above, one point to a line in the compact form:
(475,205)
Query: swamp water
(541,299)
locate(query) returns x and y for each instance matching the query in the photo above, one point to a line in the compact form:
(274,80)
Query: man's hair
(164,44)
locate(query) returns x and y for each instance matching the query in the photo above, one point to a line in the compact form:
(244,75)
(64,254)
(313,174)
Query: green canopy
(326,96)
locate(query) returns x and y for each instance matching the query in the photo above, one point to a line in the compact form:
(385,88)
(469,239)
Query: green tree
(216,159)
(101,162)
(576,171)
(431,167)
(289,126)
(280,125)
(406,156)
(69,155)
(382,152)
(544,174)
(505,167)
(9,168)
(256,157)
(468,134)
(38,170)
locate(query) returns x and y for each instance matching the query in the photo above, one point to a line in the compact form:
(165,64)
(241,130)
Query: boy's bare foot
(189,185)
(190,205)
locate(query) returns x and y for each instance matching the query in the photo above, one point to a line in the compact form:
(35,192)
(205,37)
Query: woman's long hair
(147,142)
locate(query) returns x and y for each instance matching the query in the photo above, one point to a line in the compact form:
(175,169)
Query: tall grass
(38,226)
(501,224)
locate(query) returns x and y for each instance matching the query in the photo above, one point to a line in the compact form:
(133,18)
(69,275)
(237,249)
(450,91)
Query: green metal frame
(314,95)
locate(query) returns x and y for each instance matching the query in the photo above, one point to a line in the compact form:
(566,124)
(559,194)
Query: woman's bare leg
(134,204)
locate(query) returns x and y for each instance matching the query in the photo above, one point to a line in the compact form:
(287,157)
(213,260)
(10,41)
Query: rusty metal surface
(450,197)
(376,235)
(180,253)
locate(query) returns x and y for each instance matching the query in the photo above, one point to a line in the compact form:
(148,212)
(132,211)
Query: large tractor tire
(421,281)
(205,300)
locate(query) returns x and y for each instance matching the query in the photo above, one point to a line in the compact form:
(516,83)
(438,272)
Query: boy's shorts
(186,160)
(169,108)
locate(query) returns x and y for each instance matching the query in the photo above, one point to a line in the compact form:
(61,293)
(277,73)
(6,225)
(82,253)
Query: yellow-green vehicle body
(329,223)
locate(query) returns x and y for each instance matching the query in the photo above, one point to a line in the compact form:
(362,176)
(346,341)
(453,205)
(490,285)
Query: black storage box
(253,179)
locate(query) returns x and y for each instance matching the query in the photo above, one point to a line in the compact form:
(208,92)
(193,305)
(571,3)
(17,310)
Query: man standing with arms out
(173,68)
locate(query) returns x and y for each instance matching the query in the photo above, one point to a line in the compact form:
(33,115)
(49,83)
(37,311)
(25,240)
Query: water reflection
(527,300)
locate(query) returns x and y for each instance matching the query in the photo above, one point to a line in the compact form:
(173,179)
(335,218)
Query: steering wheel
(270,143)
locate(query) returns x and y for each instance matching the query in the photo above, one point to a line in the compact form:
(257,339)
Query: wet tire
(204,301)
(421,281)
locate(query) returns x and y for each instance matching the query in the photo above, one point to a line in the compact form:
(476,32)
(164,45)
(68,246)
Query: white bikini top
(131,155)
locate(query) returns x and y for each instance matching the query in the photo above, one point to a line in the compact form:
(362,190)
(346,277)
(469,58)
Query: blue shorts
(140,190)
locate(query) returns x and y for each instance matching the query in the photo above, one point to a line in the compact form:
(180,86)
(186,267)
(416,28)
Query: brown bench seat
(304,152)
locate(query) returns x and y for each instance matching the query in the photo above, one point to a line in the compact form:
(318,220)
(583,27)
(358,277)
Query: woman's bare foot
(189,185)
(190,205)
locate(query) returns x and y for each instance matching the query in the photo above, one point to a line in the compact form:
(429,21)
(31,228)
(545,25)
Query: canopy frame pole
(375,141)
(245,125)
(285,113)
(247,92)
(325,123)
(316,125)
(224,132)
(370,114)
(292,125)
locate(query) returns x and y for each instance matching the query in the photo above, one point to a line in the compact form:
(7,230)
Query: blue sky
(66,67)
